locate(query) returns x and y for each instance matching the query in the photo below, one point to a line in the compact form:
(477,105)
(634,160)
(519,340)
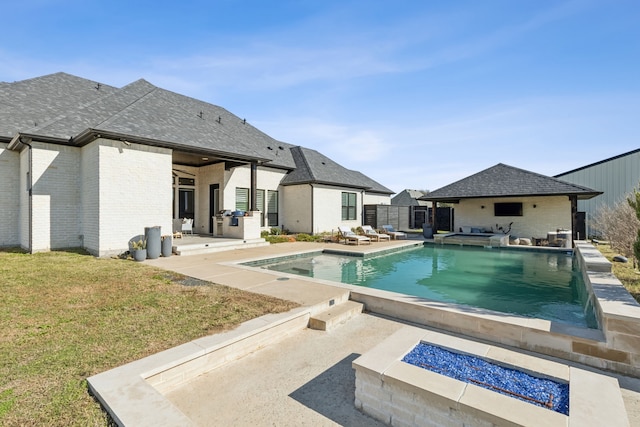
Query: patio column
(574,212)
(434,208)
(253,203)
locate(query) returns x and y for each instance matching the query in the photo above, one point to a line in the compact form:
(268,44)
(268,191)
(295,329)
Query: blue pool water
(544,285)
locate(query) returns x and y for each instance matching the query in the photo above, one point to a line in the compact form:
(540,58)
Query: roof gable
(62,106)
(29,104)
(409,197)
(507,181)
(314,167)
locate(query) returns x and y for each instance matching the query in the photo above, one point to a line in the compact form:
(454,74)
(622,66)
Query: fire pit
(541,392)
(410,379)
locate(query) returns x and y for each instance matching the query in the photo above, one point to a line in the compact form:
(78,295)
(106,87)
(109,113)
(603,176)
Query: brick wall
(134,190)
(55,197)
(9,197)
(549,214)
(89,197)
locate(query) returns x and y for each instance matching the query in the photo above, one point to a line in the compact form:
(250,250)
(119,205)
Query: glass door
(186,203)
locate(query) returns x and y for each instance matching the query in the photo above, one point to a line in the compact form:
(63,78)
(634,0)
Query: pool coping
(614,346)
(559,326)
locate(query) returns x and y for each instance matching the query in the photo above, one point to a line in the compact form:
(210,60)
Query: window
(260,205)
(507,209)
(242,199)
(349,206)
(272,208)
(186,181)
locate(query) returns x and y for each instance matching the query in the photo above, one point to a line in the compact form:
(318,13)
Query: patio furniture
(351,237)
(373,234)
(395,235)
(187,226)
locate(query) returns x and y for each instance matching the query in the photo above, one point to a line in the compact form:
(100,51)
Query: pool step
(211,246)
(335,315)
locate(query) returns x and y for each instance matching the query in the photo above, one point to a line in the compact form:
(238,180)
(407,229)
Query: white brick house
(84,164)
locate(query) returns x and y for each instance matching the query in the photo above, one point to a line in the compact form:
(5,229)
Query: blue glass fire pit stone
(511,382)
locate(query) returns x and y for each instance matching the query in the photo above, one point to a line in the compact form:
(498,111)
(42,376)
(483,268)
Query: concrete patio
(304,378)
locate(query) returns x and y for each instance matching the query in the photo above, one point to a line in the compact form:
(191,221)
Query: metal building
(616,177)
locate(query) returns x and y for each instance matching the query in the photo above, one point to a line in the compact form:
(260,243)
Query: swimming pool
(546,285)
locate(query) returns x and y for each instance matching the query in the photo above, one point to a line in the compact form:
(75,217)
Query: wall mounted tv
(507,209)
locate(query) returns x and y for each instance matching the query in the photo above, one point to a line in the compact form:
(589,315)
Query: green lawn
(625,272)
(66,316)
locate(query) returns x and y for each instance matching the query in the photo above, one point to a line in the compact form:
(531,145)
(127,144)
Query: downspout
(362,207)
(313,213)
(30,190)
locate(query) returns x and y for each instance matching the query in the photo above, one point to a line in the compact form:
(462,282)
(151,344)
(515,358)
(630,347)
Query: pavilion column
(254,184)
(574,213)
(434,208)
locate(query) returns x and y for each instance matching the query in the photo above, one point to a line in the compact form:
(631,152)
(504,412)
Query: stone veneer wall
(616,310)
(400,394)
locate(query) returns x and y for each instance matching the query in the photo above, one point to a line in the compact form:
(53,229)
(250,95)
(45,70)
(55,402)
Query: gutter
(362,192)
(90,135)
(313,212)
(15,142)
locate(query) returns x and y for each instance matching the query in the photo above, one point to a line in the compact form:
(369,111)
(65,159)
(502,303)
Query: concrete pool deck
(306,379)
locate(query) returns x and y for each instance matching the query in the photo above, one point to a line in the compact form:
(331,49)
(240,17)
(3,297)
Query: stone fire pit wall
(399,394)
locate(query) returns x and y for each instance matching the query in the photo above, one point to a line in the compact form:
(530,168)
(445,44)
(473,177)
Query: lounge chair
(351,237)
(373,234)
(187,226)
(395,235)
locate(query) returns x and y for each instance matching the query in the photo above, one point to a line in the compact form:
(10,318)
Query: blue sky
(415,94)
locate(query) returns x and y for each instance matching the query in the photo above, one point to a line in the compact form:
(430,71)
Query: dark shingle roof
(63,106)
(67,109)
(372,185)
(316,168)
(409,197)
(507,181)
(29,104)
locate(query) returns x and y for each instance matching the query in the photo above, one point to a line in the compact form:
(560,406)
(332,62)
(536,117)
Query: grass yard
(66,316)
(625,272)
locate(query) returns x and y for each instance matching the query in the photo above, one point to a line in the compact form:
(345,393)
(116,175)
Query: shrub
(303,237)
(619,225)
(279,239)
(634,203)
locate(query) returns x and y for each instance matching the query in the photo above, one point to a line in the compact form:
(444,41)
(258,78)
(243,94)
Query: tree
(619,225)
